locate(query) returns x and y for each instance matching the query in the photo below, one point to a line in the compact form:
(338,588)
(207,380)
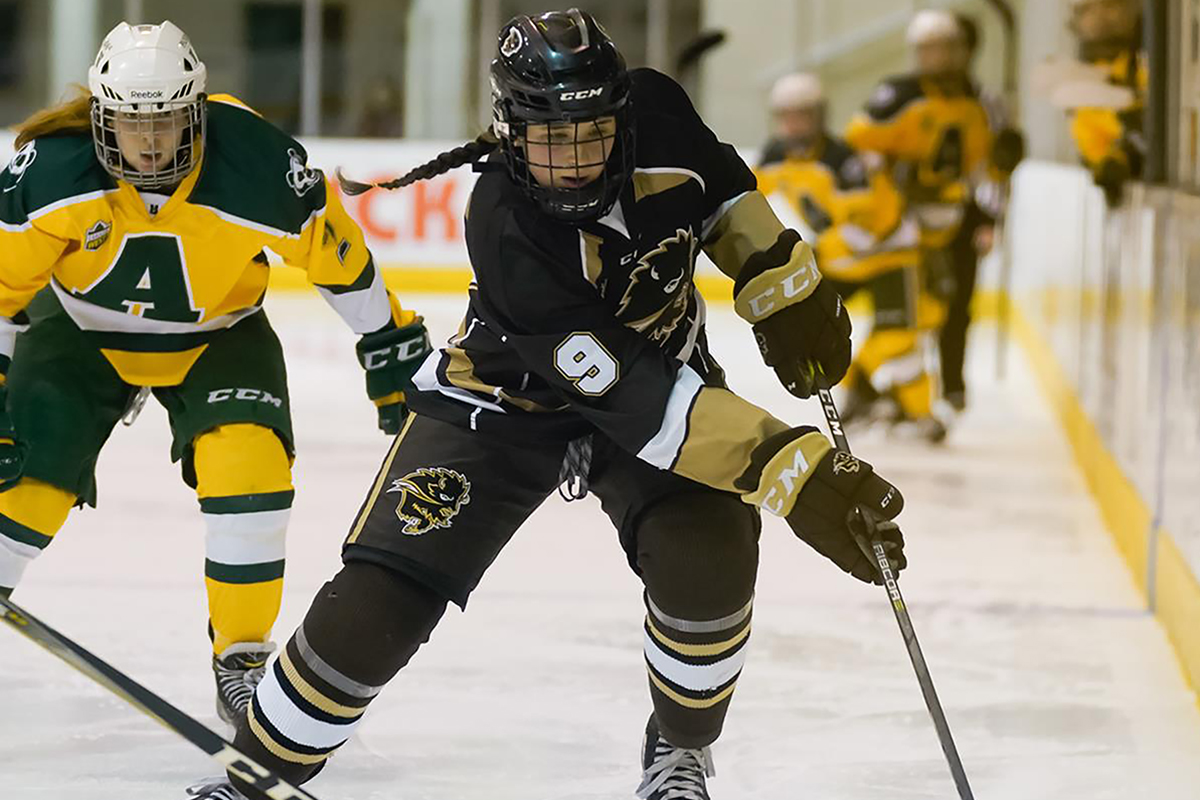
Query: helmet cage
(180,121)
(560,68)
(559,199)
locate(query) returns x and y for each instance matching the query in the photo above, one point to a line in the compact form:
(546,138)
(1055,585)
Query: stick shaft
(896,600)
(149,703)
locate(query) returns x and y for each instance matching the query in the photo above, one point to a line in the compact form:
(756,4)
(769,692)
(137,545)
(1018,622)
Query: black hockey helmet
(561,67)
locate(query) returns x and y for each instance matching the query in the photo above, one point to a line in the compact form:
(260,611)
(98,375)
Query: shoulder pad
(254,171)
(658,93)
(49,170)
(230,100)
(893,95)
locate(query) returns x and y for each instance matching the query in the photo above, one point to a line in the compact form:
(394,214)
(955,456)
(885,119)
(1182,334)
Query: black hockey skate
(215,789)
(670,772)
(238,670)
(932,429)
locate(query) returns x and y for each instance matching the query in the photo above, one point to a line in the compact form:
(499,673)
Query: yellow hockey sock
(31,513)
(244,484)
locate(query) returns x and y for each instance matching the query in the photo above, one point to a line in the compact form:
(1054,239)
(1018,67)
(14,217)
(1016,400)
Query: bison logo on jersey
(660,287)
(430,498)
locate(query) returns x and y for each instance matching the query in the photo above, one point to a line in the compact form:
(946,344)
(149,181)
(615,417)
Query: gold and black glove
(799,320)
(830,499)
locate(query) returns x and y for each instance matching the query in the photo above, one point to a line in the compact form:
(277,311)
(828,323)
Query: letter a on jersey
(148,278)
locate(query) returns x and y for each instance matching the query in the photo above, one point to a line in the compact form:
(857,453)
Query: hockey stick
(149,704)
(874,549)
(691,54)
(690,58)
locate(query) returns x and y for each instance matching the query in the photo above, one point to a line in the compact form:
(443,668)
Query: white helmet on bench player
(148,104)
(797,90)
(933,25)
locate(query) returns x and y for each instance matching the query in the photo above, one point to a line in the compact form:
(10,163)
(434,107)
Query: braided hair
(451,159)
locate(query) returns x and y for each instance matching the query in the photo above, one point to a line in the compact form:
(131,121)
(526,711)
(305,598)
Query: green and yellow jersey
(938,141)
(151,279)
(854,212)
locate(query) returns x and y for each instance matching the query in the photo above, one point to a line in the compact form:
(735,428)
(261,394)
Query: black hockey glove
(12,449)
(830,499)
(799,320)
(1008,150)
(391,357)
(1111,175)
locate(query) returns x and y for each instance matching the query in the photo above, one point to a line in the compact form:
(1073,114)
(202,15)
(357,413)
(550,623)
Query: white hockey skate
(670,772)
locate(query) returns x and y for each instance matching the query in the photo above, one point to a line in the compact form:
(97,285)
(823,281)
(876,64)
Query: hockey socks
(698,555)
(244,484)
(31,513)
(363,626)
(694,667)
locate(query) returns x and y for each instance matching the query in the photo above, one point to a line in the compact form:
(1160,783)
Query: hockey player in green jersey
(133,222)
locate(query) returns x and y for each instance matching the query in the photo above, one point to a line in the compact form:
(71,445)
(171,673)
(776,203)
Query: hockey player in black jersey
(582,356)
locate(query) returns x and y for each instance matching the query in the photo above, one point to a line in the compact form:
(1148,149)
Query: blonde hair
(72,116)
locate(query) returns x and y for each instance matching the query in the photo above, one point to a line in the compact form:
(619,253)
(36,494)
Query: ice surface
(1056,683)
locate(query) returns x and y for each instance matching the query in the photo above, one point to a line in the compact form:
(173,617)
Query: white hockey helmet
(800,90)
(933,25)
(147,88)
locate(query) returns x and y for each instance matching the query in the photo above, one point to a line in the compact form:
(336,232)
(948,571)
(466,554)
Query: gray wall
(374,40)
(32,57)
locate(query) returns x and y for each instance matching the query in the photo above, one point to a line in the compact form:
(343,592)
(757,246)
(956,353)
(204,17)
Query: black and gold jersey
(851,207)
(152,286)
(937,138)
(573,329)
(1114,135)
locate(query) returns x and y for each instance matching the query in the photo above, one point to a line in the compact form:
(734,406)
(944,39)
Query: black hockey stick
(149,704)
(874,549)
(691,54)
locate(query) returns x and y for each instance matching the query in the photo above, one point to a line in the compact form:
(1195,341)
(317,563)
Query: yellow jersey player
(1110,140)
(854,214)
(930,126)
(864,237)
(933,131)
(133,224)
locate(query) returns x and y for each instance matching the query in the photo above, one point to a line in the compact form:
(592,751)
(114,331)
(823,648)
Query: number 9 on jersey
(584,361)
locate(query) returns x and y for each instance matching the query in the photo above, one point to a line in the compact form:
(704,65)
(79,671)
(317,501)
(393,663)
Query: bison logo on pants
(430,498)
